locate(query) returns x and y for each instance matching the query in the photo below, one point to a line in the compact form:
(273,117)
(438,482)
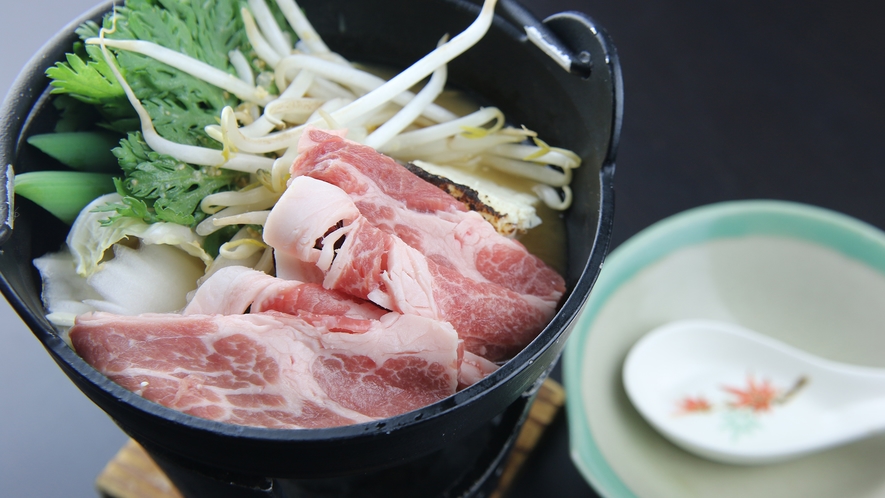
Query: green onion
(62,193)
(81,150)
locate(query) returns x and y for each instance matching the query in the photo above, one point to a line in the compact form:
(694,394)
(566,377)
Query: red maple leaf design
(756,396)
(693,405)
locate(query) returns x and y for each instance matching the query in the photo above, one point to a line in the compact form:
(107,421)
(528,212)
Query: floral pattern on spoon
(740,413)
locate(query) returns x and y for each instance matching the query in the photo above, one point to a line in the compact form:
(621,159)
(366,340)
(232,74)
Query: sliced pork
(236,289)
(274,370)
(473,369)
(318,223)
(439,226)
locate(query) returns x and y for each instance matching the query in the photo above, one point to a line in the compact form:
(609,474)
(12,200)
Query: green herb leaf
(167,189)
(85,80)
(157,187)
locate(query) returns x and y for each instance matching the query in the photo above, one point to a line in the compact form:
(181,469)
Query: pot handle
(546,40)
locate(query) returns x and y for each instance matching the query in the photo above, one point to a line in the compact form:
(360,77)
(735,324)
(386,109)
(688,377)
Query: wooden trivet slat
(551,397)
(132,473)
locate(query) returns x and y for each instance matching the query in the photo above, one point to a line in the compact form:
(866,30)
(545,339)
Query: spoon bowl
(732,395)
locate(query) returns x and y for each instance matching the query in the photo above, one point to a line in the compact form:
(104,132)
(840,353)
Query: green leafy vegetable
(179,104)
(75,115)
(161,188)
(90,81)
(156,187)
(87,78)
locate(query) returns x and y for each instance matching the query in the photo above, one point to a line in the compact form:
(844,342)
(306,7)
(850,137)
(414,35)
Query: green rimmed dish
(804,275)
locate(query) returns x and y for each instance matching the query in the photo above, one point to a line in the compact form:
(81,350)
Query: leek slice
(81,150)
(62,193)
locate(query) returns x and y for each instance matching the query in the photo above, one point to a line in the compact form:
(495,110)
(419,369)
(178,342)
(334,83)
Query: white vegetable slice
(88,240)
(517,209)
(63,289)
(151,279)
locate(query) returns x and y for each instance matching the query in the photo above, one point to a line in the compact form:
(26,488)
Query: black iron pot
(563,81)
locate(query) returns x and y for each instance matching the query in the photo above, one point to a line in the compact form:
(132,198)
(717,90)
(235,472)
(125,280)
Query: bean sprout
(191,66)
(241,65)
(320,88)
(270,28)
(241,248)
(262,47)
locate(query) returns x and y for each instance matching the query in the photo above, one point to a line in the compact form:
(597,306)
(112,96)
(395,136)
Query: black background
(728,100)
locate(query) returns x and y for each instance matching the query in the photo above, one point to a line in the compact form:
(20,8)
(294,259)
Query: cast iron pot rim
(32,76)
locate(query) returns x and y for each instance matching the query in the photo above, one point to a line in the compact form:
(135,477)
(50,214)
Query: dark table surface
(723,100)
(735,99)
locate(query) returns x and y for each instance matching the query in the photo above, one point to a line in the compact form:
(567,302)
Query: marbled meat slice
(473,369)
(439,226)
(311,219)
(274,370)
(236,289)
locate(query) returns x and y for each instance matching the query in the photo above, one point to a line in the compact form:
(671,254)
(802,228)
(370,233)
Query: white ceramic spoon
(732,395)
